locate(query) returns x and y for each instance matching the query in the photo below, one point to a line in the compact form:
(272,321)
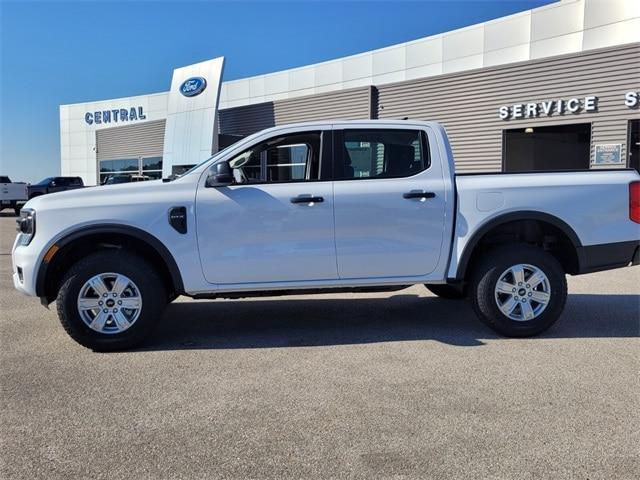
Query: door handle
(416,194)
(306,199)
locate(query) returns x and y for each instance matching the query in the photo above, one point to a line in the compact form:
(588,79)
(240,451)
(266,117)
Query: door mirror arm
(220,175)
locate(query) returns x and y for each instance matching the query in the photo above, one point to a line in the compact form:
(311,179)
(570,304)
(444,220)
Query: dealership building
(553,88)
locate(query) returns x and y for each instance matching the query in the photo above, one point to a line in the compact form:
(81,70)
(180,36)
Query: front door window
(289,158)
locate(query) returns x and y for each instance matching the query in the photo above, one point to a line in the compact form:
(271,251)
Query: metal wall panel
(131,141)
(247,119)
(467,103)
(352,104)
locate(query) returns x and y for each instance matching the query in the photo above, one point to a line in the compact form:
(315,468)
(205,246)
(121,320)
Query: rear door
(275,223)
(389,203)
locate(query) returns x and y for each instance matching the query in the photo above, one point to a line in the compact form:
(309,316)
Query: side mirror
(220,175)
(52,184)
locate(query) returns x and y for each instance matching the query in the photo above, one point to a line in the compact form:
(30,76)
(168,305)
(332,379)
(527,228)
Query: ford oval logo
(193,86)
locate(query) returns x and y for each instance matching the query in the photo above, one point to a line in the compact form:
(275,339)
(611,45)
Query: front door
(275,223)
(389,204)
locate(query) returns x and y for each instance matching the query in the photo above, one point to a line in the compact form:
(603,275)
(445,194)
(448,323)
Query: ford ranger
(325,207)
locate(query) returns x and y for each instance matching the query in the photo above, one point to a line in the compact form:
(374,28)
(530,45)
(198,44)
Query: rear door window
(379,153)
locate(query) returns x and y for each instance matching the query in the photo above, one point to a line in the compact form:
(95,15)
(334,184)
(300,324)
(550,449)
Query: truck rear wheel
(110,300)
(518,290)
(450,292)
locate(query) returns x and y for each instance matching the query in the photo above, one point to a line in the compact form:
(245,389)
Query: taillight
(634,201)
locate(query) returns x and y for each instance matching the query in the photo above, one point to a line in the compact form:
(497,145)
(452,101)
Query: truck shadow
(277,323)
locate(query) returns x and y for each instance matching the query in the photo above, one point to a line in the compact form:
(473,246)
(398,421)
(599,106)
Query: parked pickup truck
(54,185)
(325,207)
(12,195)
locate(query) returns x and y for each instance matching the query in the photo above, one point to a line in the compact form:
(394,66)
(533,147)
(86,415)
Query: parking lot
(399,385)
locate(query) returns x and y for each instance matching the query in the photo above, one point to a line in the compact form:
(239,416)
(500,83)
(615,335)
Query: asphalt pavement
(399,385)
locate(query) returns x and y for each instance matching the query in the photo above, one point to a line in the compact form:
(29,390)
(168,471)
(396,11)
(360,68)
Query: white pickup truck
(325,207)
(12,195)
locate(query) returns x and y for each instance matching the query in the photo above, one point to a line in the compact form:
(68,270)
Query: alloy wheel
(522,292)
(109,303)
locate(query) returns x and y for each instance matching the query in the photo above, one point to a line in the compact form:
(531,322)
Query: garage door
(131,141)
(130,153)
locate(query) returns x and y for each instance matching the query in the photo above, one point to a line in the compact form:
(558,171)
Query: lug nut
(120,301)
(115,310)
(524,300)
(106,311)
(100,302)
(520,283)
(528,286)
(104,294)
(516,298)
(115,295)
(530,294)
(513,290)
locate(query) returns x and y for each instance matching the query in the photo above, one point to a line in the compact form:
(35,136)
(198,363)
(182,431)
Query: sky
(54,53)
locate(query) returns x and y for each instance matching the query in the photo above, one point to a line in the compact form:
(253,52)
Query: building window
(560,147)
(152,167)
(124,170)
(633,143)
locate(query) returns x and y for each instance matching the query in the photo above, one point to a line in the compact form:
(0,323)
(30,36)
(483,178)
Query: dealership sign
(561,106)
(115,115)
(549,108)
(632,99)
(193,86)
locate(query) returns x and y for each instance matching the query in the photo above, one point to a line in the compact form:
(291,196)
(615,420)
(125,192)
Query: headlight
(26,225)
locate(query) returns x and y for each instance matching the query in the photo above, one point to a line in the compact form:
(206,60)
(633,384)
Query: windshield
(45,181)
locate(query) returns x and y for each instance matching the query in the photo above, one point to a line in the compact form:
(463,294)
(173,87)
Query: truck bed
(594,203)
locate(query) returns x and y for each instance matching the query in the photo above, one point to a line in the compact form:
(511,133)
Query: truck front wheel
(518,290)
(110,300)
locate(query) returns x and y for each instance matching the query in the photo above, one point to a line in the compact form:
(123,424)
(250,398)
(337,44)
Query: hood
(99,195)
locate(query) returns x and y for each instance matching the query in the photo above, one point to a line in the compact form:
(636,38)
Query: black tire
(450,292)
(152,293)
(486,275)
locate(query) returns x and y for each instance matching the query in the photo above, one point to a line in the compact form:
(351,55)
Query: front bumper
(24,261)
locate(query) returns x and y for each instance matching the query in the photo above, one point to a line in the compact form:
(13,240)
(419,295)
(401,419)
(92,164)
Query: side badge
(178,219)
